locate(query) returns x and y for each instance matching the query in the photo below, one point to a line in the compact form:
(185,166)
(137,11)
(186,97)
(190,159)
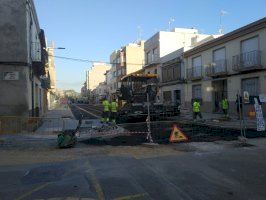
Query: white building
(158,50)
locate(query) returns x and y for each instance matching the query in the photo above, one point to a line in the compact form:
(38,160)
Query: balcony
(247,61)
(217,68)
(194,73)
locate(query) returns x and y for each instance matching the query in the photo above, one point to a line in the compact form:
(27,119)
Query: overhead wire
(91,61)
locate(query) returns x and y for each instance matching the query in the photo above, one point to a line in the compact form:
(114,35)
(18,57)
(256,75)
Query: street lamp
(60,48)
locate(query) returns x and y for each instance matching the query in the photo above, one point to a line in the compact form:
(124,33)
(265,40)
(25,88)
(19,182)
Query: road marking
(34,190)
(95,181)
(97,116)
(43,186)
(134,196)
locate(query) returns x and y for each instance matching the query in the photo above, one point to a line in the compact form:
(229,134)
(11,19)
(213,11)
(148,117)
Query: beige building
(226,66)
(96,75)
(128,59)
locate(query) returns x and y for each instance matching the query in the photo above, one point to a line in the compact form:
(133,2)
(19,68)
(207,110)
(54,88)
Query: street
(132,100)
(222,170)
(86,111)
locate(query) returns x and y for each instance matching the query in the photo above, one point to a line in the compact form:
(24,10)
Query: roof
(255,26)
(139,75)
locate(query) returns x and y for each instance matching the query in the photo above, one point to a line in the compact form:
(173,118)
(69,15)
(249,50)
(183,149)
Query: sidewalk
(58,119)
(217,120)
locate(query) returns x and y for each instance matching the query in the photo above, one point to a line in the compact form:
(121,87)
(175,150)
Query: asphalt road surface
(137,173)
(87,111)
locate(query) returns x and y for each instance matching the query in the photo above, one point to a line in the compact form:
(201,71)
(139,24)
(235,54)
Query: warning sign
(177,135)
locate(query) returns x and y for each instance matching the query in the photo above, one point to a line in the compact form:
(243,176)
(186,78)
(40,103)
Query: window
(249,52)
(155,54)
(177,71)
(171,73)
(250,45)
(219,60)
(148,57)
(196,63)
(167,96)
(251,85)
(219,54)
(196,92)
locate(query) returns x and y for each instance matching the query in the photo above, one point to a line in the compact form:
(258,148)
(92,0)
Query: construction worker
(196,110)
(113,108)
(225,106)
(106,110)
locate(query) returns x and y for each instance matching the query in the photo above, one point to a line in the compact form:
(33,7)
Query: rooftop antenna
(169,23)
(222,13)
(139,33)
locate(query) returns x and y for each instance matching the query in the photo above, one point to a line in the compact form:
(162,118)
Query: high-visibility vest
(113,106)
(196,107)
(105,106)
(225,104)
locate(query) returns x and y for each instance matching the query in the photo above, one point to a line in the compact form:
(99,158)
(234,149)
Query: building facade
(227,66)
(128,59)
(100,92)
(162,57)
(22,59)
(96,75)
(51,74)
(172,78)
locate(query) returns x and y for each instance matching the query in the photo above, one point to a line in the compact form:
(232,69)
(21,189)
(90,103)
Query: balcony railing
(217,68)
(247,61)
(194,73)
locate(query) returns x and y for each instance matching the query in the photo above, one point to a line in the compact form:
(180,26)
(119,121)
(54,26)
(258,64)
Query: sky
(93,29)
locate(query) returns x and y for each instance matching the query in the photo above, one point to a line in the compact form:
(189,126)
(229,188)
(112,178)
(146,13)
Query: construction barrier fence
(209,130)
(16,125)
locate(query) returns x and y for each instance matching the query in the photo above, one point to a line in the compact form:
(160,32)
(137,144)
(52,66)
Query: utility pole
(148,120)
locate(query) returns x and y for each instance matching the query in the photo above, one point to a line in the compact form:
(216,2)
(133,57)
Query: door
(219,92)
(177,97)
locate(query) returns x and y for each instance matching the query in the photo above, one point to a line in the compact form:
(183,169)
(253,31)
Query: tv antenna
(170,22)
(139,33)
(222,13)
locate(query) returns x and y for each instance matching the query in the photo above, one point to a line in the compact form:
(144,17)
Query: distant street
(87,111)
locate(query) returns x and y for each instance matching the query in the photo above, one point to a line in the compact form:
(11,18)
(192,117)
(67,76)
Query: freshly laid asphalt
(85,110)
(233,173)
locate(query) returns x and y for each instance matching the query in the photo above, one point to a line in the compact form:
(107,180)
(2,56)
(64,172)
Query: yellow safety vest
(105,106)
(196,107)
(113,106)
(225,104)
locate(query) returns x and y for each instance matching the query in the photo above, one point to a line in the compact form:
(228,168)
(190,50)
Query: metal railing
(218,67)
(247,61)
(194,73)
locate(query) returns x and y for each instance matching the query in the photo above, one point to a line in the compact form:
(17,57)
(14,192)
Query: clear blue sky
(92,29)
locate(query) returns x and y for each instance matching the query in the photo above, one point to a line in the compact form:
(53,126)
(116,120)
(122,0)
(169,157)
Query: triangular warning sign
(177,135)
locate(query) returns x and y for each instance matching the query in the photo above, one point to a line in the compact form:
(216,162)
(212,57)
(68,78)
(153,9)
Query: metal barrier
(15,125)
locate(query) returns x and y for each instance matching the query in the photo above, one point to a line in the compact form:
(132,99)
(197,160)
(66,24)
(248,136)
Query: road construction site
(32,167)
(116,162)
(211,129)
